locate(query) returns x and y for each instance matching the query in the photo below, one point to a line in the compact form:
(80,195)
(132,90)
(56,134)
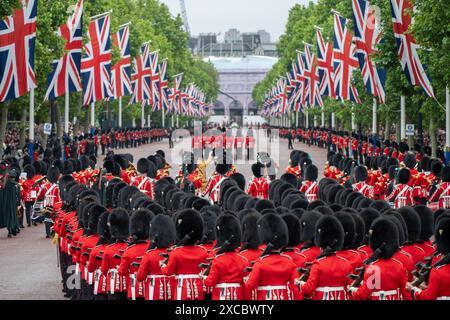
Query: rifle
(225,248)
(357,278)
(423,274)
(305,272)
(38,182)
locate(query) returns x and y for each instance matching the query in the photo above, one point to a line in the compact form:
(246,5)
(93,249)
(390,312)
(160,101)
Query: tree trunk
(387,130)
(23,127)
(59,129)
(397,132)
(3,124)
(433,138)
(86,119)
(76,126)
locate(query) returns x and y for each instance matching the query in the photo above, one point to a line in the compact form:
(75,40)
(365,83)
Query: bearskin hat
(311,173)
(425,164)
(315,204)
(94,215)
(232,199)
(189,226)
(380,205)
(53,174)
(242,213)
(121,161)
(426,221)
(140,224)
(176,201)
(125,195)
(209,224)
(291,198)
(142,165)
(137,201)
(368,215)
(398,224)
(284,191)
(221,168)
(391,162)
(384,236)
(307,225)
(240,180)
(272,188)
(118,222)
(351,198)
(294,158)
(68,167)
(59,164)
(155,208)
(293,224)
(412,221)
(329,233)
(102,228)
(225,185)
(228,232)
(348,223)
(442,235)
(336,207)
(360,230)
(301,203)
(262,204)
(332,193)
(239,202)
(30,171)
(289,179)
(445,174)
(436,167)
(403,147)
(410,160)
(161,153)
(361,174)
(250,204)
(325,210)
(198,204)
(272,229)
(162,231)
(63,181)
(84,162)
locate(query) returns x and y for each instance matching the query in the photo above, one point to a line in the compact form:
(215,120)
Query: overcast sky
(245,15)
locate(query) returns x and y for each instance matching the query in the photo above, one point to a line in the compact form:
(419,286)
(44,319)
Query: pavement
(28,268)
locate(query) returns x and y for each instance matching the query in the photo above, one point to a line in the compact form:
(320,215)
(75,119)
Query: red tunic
(364,189)
(441,195)
(328,279)
(213,188)
(145,185)
(252,254)
(310,189)
(94,266)
(110,265)
(259,188)
(438,285)
(135,289)
(157,285)
(351,256)
(273,276)
(384,279)
(402,196)
(226,276)
(184,264)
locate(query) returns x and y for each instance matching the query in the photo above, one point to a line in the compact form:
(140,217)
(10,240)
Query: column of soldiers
(135,233)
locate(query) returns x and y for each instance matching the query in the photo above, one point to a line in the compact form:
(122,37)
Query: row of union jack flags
(330,72)
(92,73)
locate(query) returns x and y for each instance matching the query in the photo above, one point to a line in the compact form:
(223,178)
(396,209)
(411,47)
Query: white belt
(133,286)
(187,276)
(268,288)
(97,275)
(156,276)
(228,285)
(329,289)
(443,298)
(151,285)
(384,293)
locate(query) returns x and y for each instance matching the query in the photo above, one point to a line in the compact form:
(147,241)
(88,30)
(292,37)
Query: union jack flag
(96,64)
(154,79)
(163,88)
(174,97)
(300,80)
(310,73)
(65,75)
(325,65)
(17,43)
(367,37)
(407,46)
(140,79)
(121,71)
(344,60)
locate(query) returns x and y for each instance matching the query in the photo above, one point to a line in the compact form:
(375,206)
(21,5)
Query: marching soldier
(310,187)
(259,186)
(361,176)
(274,274)
(213,188)
(402,193)
(327,277)
(144,182)
(49,193)
(185,259)
(294,164)
(441,196)
(162,237)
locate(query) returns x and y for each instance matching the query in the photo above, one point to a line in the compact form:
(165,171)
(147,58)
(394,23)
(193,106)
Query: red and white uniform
(226,276)
(183,264)
(94,267)
(259,188)
(441,195)
(157,285)
(296,171)
(110,268)
(328,279)
(438,285)
(213,187)
(145,185)
(391,285)
(135,289)
(310,189)
(364,189)
(50,194)
(402,196)
(273,276)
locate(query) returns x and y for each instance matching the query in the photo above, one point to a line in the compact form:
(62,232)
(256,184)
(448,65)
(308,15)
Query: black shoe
(47,237)
(28,225)
(9,235)
(22,227)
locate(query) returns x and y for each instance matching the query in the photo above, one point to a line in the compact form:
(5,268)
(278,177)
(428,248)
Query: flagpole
(296,119)
(353,121)
(66,111)
(93,114)
(333,121)
(31,134)
(374,116)
(120,112)
(323,119)
(307,119)
(142,115)
(447,117)
(148,119)
(402,118)
(178,121)
(163,116)
(101,15)
(315,121)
